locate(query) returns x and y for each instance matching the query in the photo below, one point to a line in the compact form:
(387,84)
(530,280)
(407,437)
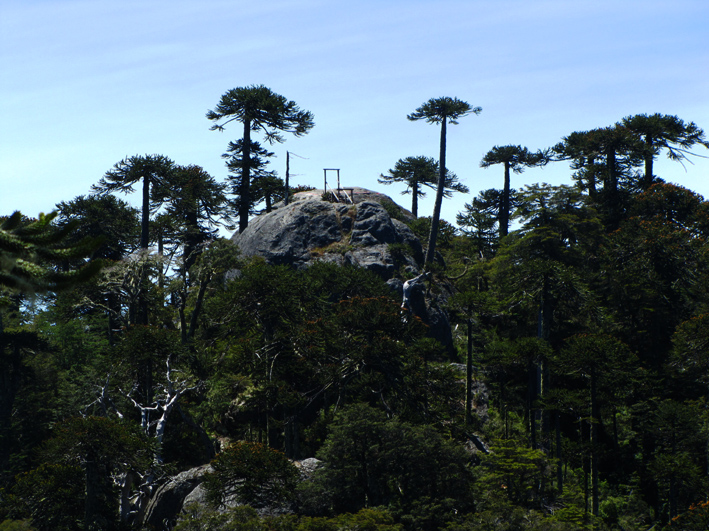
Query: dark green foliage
(310,339)
(252,473)
(100,447)
(51,496)
(151,170)
(28,249)
(660,131)
(369,460)
(480,219)
(416,172)
(258,108)
(246,518)
(107,218)
(440,111)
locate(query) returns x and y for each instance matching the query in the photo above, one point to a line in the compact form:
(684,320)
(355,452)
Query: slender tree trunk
(198,307)
(532,392)
(559,464)
(431,250)
(469,377)
(505,203)
(93,495)
(648,172)
(649,159)
(142,317)
(594,443)
(144,227)
(535,379)
(612,167)
(592,177)
(244,189)
(415,199)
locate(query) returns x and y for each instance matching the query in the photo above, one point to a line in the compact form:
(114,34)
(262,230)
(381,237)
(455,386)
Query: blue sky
(85,83)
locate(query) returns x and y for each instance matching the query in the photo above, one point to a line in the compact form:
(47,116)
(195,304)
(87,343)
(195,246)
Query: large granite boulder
(169,498)
(369,233)
(309,229)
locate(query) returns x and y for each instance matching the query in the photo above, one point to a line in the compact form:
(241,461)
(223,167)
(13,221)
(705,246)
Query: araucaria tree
(440,111)
(417,172)
(258,108)
(660,131)
(515,158)
(150,169)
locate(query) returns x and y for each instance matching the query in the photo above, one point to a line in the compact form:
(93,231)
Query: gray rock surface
(310,229)
(362,234)
(168,499)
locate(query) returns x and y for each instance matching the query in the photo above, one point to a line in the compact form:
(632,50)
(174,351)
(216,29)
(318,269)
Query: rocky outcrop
(168,499)
(369,233)
(309,229)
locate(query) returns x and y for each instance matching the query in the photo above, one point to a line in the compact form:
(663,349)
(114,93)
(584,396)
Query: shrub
(257,475)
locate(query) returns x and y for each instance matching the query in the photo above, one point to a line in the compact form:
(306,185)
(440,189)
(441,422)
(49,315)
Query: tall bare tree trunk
(435,220)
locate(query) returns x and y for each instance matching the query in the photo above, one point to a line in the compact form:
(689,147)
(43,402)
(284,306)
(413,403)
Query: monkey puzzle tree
(150,169)
(195,204)
(258,108)
(515,158)
(661,131)
(611,154)
(420,171)
(583,154)
(441,111)
(106,217)
(28,248)
(606,364)
(479,219)
(265,185)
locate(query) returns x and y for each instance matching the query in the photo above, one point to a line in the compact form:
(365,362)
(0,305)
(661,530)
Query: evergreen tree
(417,172)
(479,219)
(515,158)
(440,111)
(150,169)
(195,204)
(29,248)
(258,109)
(106,217)
(661,131)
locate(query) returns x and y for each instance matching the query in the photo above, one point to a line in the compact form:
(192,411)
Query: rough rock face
(170,499)
(311,229)
(363,234)
(167,501)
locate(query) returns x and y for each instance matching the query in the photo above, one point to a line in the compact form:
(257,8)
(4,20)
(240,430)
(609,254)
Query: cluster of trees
(137,344)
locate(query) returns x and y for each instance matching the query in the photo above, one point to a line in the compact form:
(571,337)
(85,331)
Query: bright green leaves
(29,249)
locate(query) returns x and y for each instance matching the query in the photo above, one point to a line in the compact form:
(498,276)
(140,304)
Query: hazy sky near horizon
(85,83)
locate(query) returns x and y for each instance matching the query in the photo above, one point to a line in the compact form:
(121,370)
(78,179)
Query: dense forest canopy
(135,345)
